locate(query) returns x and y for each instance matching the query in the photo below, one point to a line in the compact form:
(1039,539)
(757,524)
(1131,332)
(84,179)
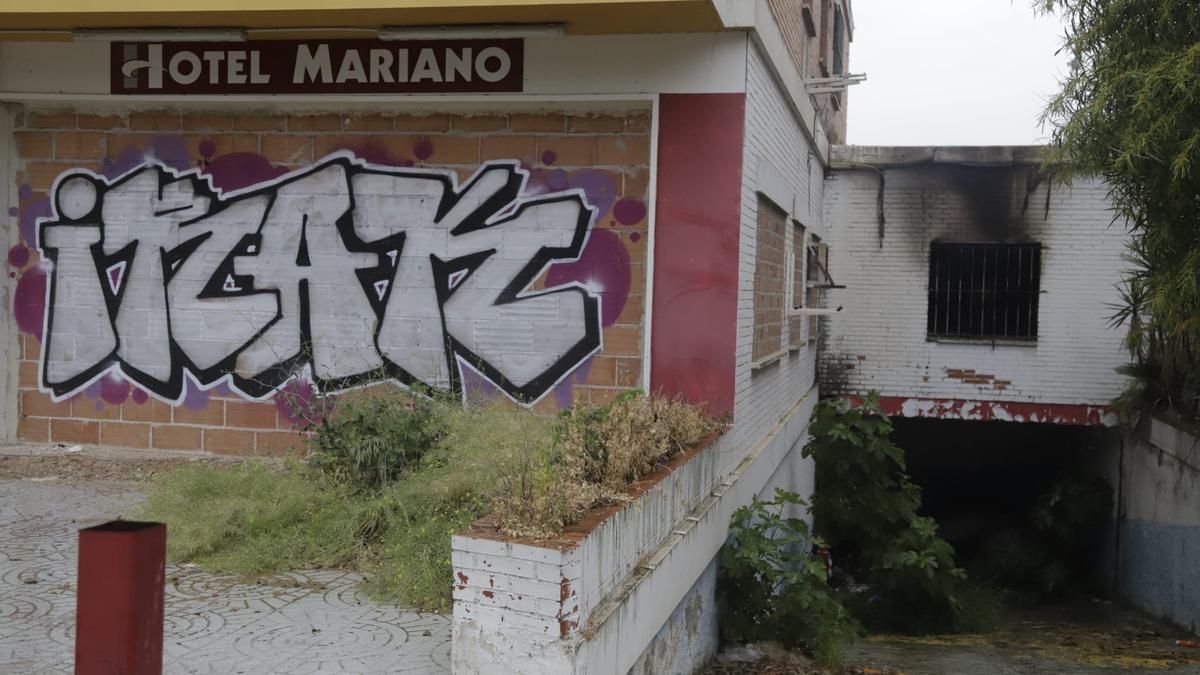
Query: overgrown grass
(249,519)
(390,511)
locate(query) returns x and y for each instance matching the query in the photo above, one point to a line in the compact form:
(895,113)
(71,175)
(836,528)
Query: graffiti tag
(353,271)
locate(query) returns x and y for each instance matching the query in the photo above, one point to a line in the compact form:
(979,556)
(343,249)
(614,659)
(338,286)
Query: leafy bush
(371,440)
(916,583)
(770,588)
(866,507)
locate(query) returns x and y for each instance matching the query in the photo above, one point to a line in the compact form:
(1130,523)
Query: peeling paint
(1071,414)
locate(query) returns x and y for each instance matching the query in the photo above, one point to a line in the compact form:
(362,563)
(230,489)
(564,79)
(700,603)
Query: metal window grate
(984,290)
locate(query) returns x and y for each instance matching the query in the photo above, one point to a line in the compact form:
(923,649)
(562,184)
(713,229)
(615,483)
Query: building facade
(536,201)
(976,287)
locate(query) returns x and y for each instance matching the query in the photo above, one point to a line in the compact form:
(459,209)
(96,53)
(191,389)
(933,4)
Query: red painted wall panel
(697,219)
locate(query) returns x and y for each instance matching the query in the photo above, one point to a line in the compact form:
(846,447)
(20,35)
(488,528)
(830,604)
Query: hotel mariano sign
(318,67)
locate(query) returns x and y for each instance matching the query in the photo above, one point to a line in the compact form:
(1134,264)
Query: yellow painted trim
(32,36)
(579,16)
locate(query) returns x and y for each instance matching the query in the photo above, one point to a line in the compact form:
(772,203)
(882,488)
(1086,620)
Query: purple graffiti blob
(29,302)
(114,389)
(13,211)
(549,156)
(194,398)
(139,396)
(18,255)
(599,186)
(241,169)
(168,149)
(629,211)
(564,394)
(476,387)
(24,192)
(604,268)
(207,148)
(27,221)
(293,400)
(171,151)
(423,149)
(557,180)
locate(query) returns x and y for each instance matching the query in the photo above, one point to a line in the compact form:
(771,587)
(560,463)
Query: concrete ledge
(850,156)
(594,604)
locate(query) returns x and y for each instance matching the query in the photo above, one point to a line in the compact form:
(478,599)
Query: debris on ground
(769,658)
(1086,637)
(79,466)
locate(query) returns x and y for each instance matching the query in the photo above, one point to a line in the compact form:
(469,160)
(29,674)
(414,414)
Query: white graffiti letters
(353,271)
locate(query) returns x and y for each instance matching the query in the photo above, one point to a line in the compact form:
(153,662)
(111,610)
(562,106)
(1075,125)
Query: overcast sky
(951,72)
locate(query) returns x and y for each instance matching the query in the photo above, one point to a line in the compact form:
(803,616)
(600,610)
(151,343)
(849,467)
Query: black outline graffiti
(506,201)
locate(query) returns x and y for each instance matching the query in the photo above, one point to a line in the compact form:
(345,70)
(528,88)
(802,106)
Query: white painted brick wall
(764,394)
(586,609)
(882,331)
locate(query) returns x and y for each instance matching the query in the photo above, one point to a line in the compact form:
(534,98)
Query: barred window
(984,290)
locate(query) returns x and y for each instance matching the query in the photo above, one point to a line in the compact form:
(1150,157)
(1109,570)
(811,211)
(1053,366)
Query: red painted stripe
(1072,414)
(697,219)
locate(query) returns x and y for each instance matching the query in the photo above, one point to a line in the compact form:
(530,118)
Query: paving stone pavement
(299,623)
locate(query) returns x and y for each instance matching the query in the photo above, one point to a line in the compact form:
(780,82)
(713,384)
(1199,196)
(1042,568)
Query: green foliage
(248,519)
(1070,512)
(864,495)
(1130,112)
(371,440)
(1065,526)
(866,507)
(391,478)
(771,589)
(916,582)
(455,483)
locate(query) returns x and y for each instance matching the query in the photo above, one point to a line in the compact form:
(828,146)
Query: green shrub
(391,478)
(866,506)
(371,440)
(770,588)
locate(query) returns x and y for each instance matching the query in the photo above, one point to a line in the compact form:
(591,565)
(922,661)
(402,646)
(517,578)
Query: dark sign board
(318,67)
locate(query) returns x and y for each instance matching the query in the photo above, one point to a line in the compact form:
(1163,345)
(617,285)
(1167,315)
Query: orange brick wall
(605,154)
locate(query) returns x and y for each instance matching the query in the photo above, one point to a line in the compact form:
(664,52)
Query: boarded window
(984,290)
(769,280)
(798,285)
(839,42)
(818,266)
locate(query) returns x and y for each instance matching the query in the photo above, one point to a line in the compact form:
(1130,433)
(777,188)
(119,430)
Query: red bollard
(119,608)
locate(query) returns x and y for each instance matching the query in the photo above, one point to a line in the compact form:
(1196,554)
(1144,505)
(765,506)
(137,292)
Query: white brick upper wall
(777,161)
(879,341)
